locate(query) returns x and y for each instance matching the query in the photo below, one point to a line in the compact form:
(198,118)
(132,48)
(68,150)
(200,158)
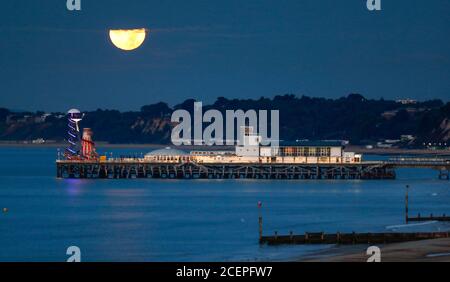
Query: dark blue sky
(53,59)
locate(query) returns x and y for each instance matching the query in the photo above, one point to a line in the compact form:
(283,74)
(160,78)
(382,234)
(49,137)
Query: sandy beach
(435,250)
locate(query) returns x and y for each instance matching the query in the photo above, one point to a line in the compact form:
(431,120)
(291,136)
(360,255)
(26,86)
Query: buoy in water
(5,210)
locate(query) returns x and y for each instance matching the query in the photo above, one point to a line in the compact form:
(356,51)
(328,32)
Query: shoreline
(434,250)
(62,144)
(396,151)
(351,148)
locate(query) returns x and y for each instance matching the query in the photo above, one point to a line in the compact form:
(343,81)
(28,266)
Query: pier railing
(418,162)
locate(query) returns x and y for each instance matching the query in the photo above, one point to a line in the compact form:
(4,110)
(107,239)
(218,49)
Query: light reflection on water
(192,220)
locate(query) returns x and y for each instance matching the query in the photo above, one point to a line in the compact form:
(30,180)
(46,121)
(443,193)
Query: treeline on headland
(353,118)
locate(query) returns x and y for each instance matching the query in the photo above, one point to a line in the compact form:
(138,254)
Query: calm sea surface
(191,220)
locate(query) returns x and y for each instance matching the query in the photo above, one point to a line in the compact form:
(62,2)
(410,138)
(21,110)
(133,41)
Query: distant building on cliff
(406,101)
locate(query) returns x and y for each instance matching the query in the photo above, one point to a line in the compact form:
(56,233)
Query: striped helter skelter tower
(73,151)
(88,146)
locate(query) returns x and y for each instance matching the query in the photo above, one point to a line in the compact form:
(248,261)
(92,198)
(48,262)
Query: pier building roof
(167,152)
(308,143)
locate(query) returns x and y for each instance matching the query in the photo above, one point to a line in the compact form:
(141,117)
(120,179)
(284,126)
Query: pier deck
(440,164)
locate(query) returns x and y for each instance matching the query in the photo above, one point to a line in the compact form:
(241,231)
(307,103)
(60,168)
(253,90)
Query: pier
(119,169)
(442,165)
(140,168)
(251,159)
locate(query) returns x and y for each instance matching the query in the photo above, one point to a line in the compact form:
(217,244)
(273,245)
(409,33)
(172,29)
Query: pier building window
(288,151)
(302,151)
(324,151)
(312,152)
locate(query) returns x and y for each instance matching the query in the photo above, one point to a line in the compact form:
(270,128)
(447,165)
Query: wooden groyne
(431,217)
(420,218)
(350,238)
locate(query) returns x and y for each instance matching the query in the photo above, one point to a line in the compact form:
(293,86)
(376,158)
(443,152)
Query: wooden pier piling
(444,174)
(190,170)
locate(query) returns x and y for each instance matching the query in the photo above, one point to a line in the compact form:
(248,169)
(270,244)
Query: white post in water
(406,204)
(260,220)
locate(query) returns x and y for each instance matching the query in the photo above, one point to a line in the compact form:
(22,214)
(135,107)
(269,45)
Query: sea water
(193,220)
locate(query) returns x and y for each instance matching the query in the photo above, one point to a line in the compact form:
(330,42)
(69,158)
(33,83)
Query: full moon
(127,39)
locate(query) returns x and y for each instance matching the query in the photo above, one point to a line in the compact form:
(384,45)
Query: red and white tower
(88,146)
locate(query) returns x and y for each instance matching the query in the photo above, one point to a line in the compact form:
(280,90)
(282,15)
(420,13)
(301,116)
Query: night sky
(53,59)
